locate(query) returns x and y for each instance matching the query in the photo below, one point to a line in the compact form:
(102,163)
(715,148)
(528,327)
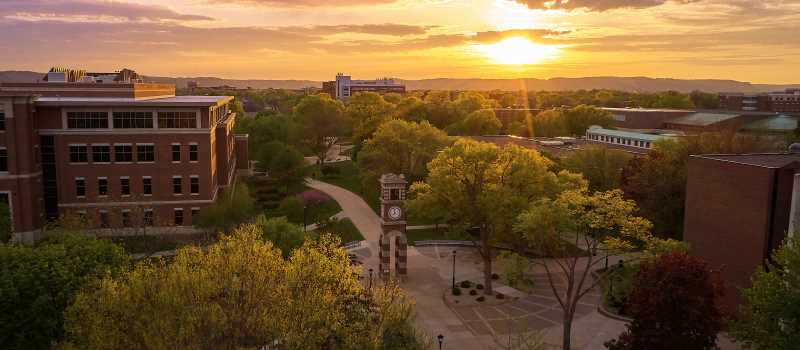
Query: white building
(345,86)
(623,138)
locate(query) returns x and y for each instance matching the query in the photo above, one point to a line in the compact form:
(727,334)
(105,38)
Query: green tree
(486,187)
(412,109)
(550,123)
(241,293)
(287,166)
(601,166)
(480,122)
(400,147)
(367,110)
(704,100)
(38,283)
(579,119)
(230,210)
(6,227)
(321,122)
(575,218)
(769,318)
(264,129)
(673,99)
(283,234)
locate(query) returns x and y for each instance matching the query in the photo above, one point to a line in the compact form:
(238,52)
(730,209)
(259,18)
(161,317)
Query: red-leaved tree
(674,305)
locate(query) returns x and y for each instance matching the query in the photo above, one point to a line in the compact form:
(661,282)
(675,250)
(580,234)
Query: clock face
(395,213)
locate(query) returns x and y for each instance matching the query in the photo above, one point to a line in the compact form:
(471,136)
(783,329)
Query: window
(149,219)
(194,184)
(147,186)
(123,153)
(3,159)
(193,153)
(133,120)
(178,217)
(102,186)
(177,120)
(2,120)
(80,187)
(125,186)
(87,120)
(126,218)
(78,154)
(195,212)
(101,154)
(177,185)
(145,153)
(176,152)
(104,219)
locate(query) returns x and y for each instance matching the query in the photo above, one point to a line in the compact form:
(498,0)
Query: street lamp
(370,280)
(454,270)
(304,218)
(441,339)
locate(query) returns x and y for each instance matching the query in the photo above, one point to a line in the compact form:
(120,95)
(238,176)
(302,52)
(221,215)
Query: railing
(352,245)
(445,242)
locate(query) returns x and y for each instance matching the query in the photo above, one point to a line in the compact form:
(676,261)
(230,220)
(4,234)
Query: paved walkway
(470,327)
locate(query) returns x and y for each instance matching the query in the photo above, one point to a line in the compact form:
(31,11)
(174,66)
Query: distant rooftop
(643,110)
(626,134)
(174,101)
(767,160)
(781,123)
(703,118)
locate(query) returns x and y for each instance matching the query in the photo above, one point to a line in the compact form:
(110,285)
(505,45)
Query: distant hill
(634,84)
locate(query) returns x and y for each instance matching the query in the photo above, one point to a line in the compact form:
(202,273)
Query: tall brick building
(739,208)
(113,151)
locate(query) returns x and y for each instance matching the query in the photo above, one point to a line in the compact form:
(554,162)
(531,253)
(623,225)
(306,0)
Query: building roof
(170,101)
(646,110)
(627,134)
(703,118)
(767,160)
(781,123)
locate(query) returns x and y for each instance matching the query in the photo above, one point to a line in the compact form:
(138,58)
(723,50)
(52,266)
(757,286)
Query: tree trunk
(567,341)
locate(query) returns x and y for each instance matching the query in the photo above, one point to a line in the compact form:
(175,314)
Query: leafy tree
(513,267)
(770,315)
(264,129)
(704,100)
(6,227)
(580,118)
(575,218)
(400,147)
(438,109)
(486,187)
(38,283)
(480,122)
(674,305)
(284,235)
(241,293)
(292,208)
(673,99)
(266,153)
(412,109)
(321,121)
(230,210)
(367,110)
(601,166)
(550,123)
(287,166)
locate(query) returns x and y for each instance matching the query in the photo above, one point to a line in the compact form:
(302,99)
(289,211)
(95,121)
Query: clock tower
(393,225)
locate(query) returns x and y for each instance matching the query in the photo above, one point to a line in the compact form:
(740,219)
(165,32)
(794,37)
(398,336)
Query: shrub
(330,171)
(481,299)
(501,296)
(466,284)
(292,208)
(495,276)
(479,286)
(473,292)
(513,266)
(456,291)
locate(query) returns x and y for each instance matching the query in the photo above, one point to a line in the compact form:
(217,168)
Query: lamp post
(370,281)
(454,269)
(304,218)
(441,340)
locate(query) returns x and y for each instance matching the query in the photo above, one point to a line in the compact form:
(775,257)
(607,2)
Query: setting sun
(518,51)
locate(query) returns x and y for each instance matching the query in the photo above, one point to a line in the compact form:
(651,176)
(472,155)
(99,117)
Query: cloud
(305,3)
(391,29)
(71,10)
(532,34)
(594,5)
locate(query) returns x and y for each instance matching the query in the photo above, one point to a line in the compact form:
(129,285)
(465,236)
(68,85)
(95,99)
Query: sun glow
(518,51)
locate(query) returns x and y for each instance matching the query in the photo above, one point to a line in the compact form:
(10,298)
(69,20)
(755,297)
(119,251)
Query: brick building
(117,152)
(787,101)
(644,118)
(739,208)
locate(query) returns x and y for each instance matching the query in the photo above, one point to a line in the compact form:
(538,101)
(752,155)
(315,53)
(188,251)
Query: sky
(755,41)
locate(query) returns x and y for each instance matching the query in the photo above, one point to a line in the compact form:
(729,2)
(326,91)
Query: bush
(466,284)
(479,286)
(495,276)
(501,296)
(473,292)
(513,266)
(330,171)
(481,299)
(292,208)
(456,291)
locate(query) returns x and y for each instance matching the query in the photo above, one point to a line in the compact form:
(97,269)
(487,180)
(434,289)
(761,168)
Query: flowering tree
(674,305)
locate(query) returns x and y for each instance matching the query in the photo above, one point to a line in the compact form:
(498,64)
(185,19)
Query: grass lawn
(348,178)
(344,229)
(433,234)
